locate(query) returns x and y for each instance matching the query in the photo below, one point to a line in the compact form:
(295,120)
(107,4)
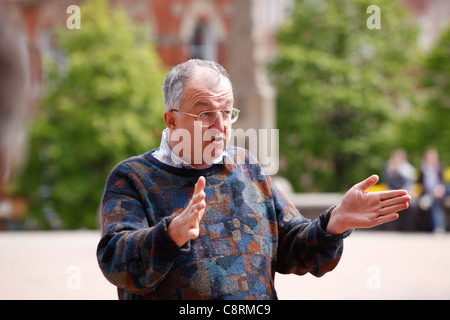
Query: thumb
(200,185)
(369,182)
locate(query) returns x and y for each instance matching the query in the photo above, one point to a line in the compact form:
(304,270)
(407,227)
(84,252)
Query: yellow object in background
(378,187)
(446,175)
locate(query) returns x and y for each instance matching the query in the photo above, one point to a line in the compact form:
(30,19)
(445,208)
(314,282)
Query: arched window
(203,44)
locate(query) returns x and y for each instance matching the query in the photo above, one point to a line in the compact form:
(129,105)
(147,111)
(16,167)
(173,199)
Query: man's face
(205,143)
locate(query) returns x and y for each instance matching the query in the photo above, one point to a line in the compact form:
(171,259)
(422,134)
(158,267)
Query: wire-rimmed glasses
(207,118)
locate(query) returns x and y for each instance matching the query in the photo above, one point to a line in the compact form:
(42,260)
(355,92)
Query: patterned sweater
(249,231)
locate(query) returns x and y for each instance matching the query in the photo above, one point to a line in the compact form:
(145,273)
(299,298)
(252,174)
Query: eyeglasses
(207,118)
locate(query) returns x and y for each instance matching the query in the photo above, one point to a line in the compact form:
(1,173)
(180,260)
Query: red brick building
(181,29)
(184,28)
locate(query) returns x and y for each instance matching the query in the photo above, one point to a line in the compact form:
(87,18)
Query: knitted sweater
(249,231)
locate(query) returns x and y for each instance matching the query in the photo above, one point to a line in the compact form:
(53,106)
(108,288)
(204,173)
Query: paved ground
(375,265)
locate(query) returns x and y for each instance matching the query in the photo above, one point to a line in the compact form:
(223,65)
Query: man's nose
(219,123)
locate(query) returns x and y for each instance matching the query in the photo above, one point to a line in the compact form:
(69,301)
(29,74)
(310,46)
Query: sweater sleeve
(134,252)
(304,245)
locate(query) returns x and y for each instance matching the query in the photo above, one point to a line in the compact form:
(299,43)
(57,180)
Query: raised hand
(186,226)
(360,209)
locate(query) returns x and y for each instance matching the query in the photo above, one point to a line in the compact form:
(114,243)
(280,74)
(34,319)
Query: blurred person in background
(431,178)
(13,87)
(400,174)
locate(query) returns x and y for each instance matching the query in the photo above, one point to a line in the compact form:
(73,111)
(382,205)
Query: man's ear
(169,119)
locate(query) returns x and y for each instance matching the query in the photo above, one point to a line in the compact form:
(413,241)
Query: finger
(193,233)
(200,214)
(200,185)
(384,195)
(198,198)
(198,206)
(394,201)
(194,201)
(369,182)
(198,195)
(394,209)
(194,230)
(194,224)
(386,218)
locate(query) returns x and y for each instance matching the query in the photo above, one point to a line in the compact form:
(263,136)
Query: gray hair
(177,77)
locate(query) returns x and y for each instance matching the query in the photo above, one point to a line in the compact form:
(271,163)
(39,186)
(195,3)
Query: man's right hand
(186,226)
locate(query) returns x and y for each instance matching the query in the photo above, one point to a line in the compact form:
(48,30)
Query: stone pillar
(254,95)
(247,68)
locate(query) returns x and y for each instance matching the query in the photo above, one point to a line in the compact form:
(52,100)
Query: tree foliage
(429,126)
(340,87)
(102,104)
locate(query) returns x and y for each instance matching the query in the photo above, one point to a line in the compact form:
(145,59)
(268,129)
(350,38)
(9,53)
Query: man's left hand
(360,209)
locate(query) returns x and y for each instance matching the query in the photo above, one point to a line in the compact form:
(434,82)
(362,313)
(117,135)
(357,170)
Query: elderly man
(190,220)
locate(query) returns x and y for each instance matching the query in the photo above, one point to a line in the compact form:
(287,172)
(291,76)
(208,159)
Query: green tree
(103,103)
(340,89)
(429,126)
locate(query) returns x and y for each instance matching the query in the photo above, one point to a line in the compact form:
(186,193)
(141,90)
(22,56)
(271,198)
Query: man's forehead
(203,90)
(207,78)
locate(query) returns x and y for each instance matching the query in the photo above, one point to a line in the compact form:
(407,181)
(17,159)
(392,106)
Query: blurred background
(354,90)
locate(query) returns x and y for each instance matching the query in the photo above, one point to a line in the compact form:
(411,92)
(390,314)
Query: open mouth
(217,139)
